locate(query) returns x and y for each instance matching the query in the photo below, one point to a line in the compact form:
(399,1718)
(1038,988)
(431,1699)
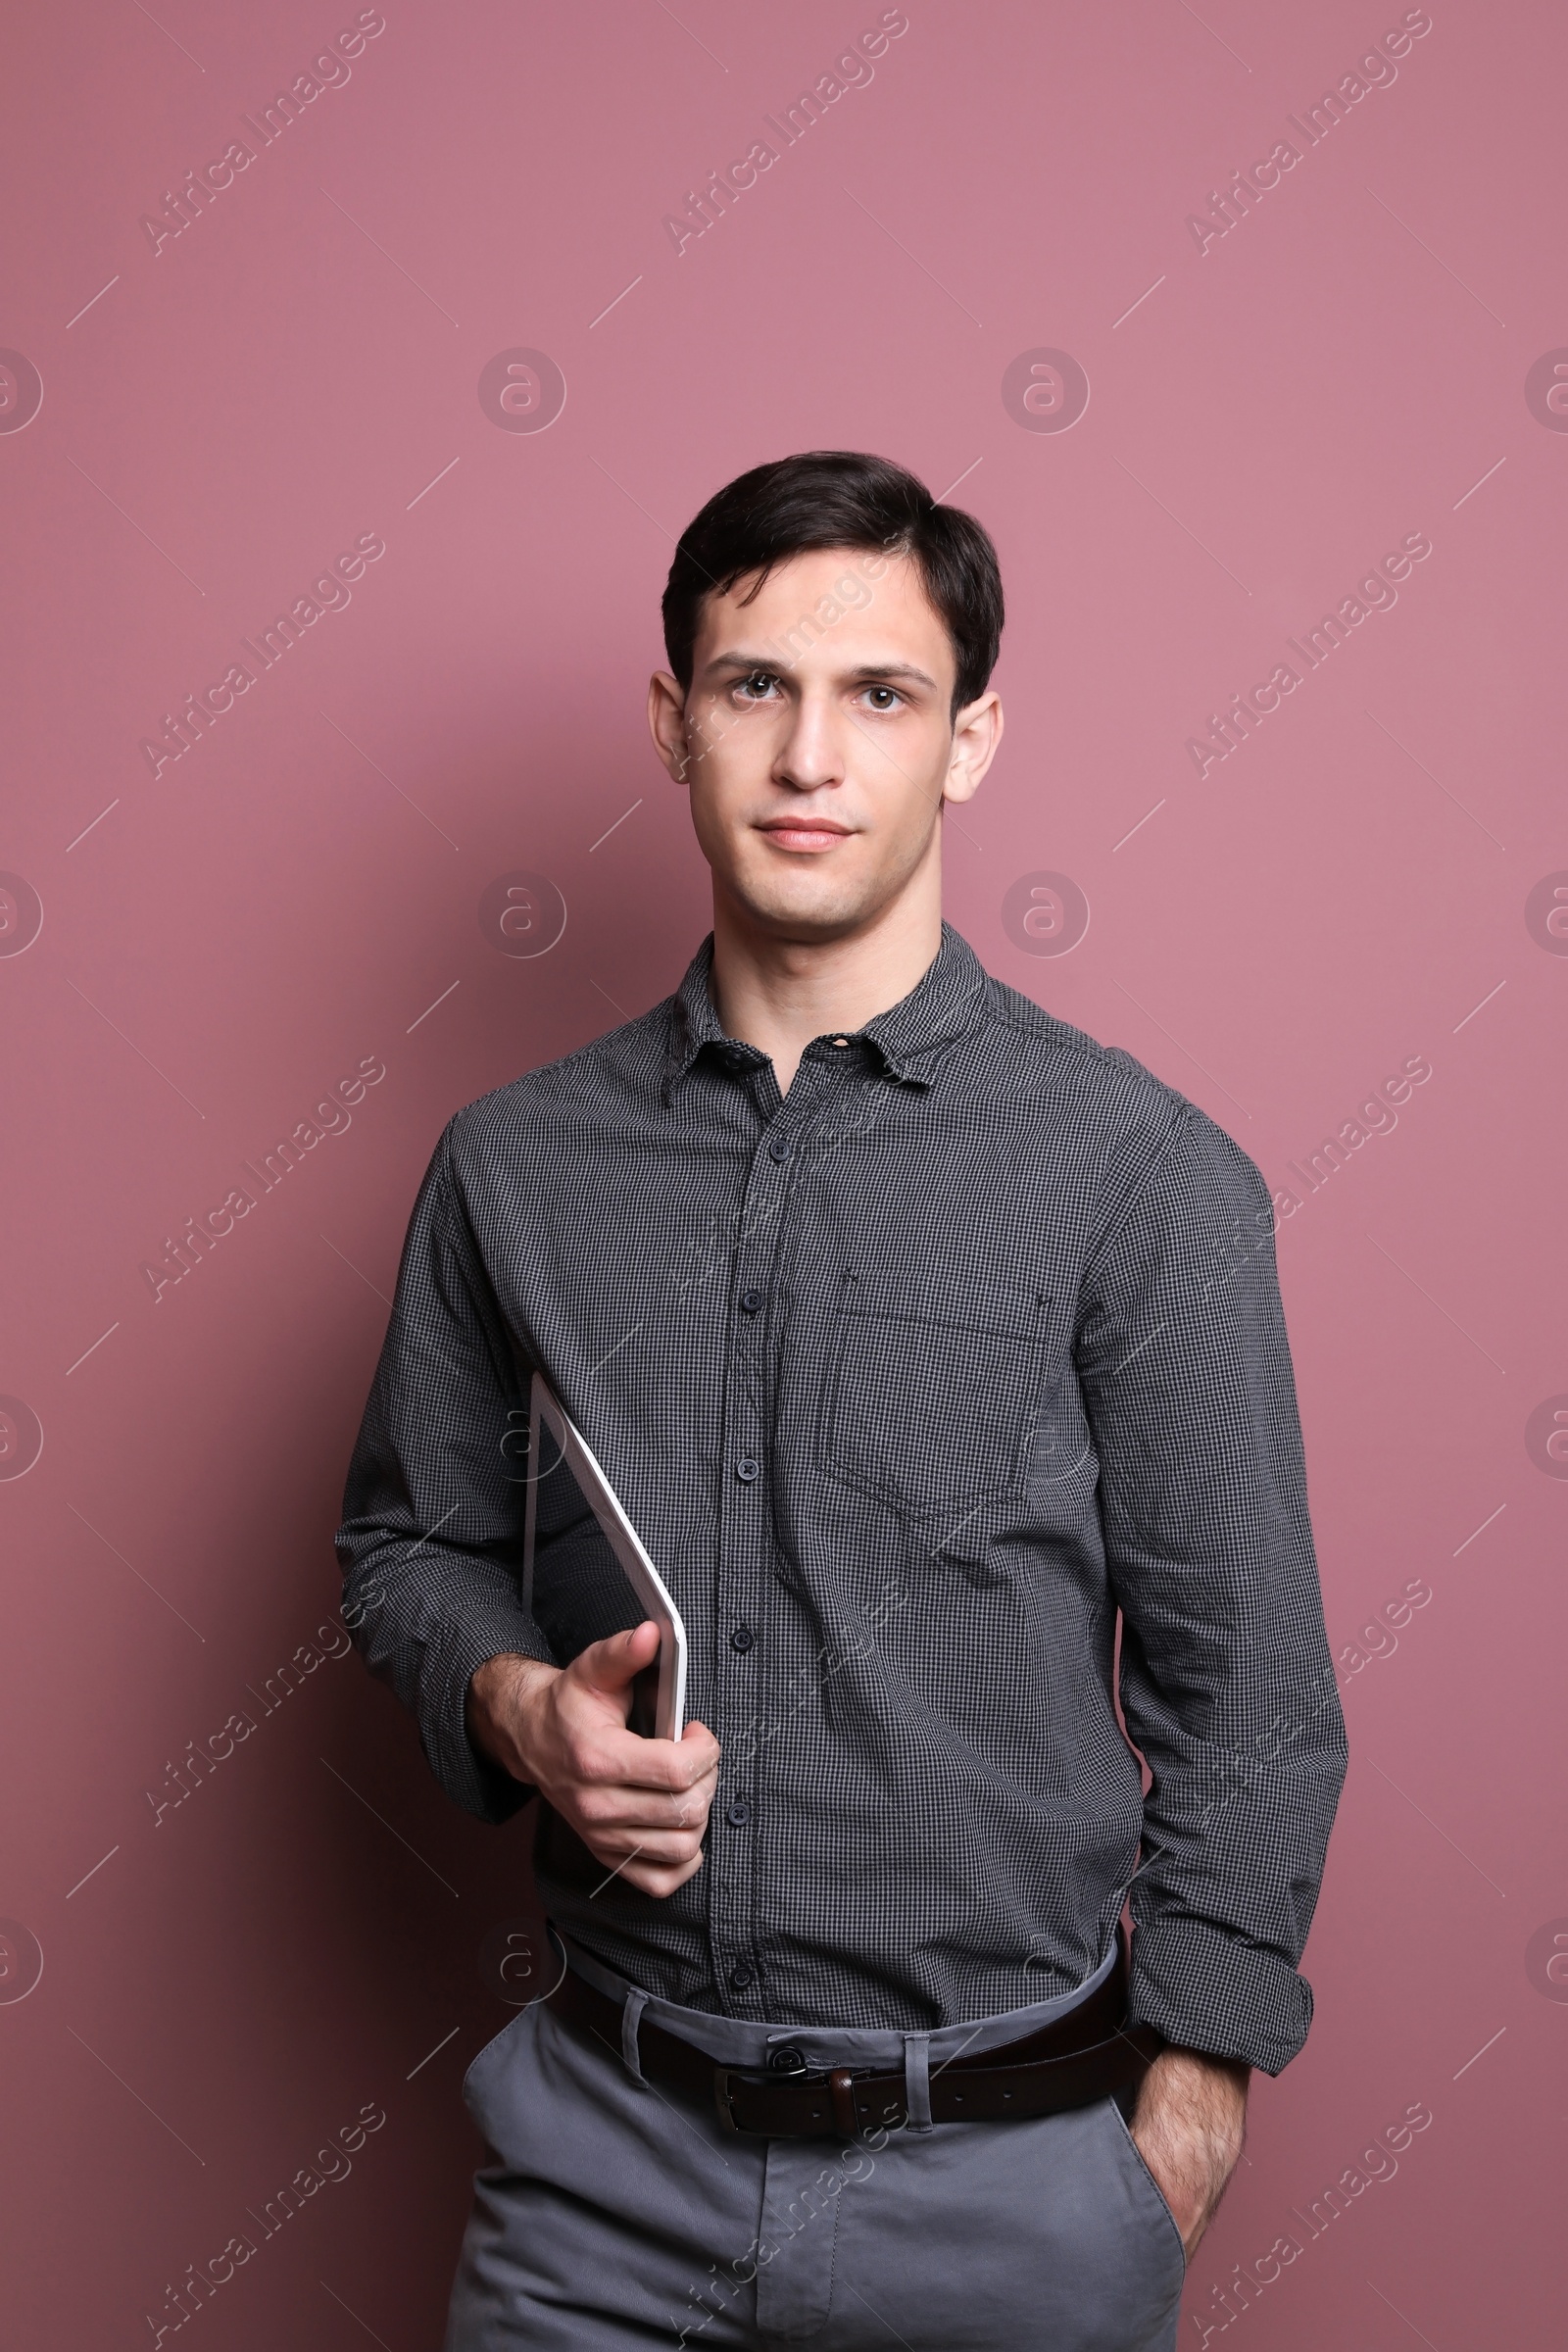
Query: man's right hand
(639,1805)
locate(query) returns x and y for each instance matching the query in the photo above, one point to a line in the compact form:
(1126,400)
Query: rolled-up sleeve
(1227,1684)
(431,1541)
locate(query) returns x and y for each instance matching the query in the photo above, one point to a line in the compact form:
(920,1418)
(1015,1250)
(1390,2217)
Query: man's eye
(755,685)
(887,693)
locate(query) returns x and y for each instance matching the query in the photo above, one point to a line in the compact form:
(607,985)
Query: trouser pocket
(1147,2191)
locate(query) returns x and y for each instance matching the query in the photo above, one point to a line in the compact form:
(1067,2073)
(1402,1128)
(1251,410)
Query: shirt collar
(910,1036)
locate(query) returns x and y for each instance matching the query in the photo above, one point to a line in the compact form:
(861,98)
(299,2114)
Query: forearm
(1189,2125)
(497,1710)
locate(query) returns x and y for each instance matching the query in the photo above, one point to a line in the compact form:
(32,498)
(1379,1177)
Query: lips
(804,833)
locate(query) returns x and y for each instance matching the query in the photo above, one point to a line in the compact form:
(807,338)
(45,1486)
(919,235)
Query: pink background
(226,1984)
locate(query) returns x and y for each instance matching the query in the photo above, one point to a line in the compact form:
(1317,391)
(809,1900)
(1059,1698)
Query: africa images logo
(20,391)
(521,390)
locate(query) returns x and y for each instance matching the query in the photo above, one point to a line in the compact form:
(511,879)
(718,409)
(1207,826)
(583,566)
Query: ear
(667,724)
(976,733)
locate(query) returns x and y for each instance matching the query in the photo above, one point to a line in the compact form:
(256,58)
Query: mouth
(808,833)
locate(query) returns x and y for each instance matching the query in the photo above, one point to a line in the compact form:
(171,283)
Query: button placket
(746,1520)
(745,1546)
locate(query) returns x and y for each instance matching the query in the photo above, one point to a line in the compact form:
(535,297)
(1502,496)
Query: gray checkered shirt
(910,1379)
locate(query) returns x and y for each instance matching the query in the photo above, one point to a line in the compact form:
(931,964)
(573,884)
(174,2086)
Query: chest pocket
(932,1398)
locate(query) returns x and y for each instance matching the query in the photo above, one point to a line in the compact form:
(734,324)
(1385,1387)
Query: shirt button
(741,1977)
(741,1637)
(779,1149)
(750,1300)
(738,1814)
(747,1469)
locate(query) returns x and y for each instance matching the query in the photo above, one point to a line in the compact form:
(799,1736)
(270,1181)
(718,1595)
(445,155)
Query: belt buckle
(787,2065)
(723,2075)
(751,2079)
(840,2082)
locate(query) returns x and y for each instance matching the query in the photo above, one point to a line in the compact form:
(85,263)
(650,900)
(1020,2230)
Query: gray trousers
(614,2216)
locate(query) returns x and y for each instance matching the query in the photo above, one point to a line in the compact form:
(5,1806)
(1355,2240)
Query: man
(926,1340)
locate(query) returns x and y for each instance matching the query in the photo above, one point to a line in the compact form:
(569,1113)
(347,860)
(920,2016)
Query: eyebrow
(743,663)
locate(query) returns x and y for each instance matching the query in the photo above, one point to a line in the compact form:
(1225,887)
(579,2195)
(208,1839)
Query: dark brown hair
(839,498)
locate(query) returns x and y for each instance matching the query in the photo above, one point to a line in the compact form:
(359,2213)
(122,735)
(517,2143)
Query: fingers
(659,1882)
(651,1837)
(639,1805)
(632,1813)
(610,1666)
(675,1766)
(657,1861)
(599,1681)
(663,1849)
(603,1750)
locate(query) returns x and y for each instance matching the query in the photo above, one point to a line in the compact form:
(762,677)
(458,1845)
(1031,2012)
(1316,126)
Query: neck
(779,993)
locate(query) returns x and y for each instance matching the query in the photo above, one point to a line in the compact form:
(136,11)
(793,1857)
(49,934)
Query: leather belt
(1082,2057)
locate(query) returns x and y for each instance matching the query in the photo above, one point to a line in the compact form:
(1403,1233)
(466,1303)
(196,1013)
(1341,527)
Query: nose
(810,755)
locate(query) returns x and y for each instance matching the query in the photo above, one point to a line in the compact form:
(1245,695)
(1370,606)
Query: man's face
(817,740)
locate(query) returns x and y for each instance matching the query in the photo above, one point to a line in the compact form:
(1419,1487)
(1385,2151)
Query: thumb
(612,1665)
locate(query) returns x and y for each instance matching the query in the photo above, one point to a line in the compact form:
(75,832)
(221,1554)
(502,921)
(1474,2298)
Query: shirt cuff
(471,1778)
(1205,1989)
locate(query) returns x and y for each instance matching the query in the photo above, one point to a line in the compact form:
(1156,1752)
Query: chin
(807,907)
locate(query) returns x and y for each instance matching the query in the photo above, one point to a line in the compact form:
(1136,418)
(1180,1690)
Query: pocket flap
(1012,1309)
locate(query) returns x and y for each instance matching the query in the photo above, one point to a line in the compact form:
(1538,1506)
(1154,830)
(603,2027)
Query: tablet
(659,1697)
